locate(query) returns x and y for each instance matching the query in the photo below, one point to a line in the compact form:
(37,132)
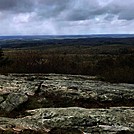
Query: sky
(66,17)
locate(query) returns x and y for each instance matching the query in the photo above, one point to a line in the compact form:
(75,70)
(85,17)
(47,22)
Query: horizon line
(67,34)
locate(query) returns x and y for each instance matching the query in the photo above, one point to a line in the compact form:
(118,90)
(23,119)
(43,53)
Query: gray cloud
(51,8)
(124,9)
(16,6)
(7,4)
(66,16)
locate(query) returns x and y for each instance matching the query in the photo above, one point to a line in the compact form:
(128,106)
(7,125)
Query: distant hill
(30,37)
(43,40)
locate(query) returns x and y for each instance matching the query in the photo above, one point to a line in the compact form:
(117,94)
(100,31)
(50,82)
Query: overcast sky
(35,17)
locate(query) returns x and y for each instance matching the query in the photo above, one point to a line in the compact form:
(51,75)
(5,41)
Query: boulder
(13,100)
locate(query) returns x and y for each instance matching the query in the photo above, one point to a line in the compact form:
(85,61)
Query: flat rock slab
(69,90)
(17,84)
(109,121)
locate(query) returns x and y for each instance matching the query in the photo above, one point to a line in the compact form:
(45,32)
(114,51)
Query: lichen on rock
(12,101)
(64,104)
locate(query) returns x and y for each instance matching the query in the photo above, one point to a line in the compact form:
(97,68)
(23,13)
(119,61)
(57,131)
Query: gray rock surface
(90,121)
(56,101)
(83,91)
(12,101)
(1,99)
(68,90)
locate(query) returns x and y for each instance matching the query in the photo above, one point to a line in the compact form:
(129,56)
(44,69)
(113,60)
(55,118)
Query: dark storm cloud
(16,6)
(65,16)
(42,7)
(70,9)
(84,10)
(7,4)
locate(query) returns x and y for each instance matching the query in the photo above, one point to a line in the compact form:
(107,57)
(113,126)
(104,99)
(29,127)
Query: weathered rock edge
(113,120)
(43,91)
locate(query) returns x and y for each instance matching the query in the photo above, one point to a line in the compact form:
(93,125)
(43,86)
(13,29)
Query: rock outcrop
(64,104)
(68,90)
(12,101)
(92,121)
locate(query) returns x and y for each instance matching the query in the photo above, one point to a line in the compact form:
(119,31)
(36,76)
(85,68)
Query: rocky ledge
(64,104)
